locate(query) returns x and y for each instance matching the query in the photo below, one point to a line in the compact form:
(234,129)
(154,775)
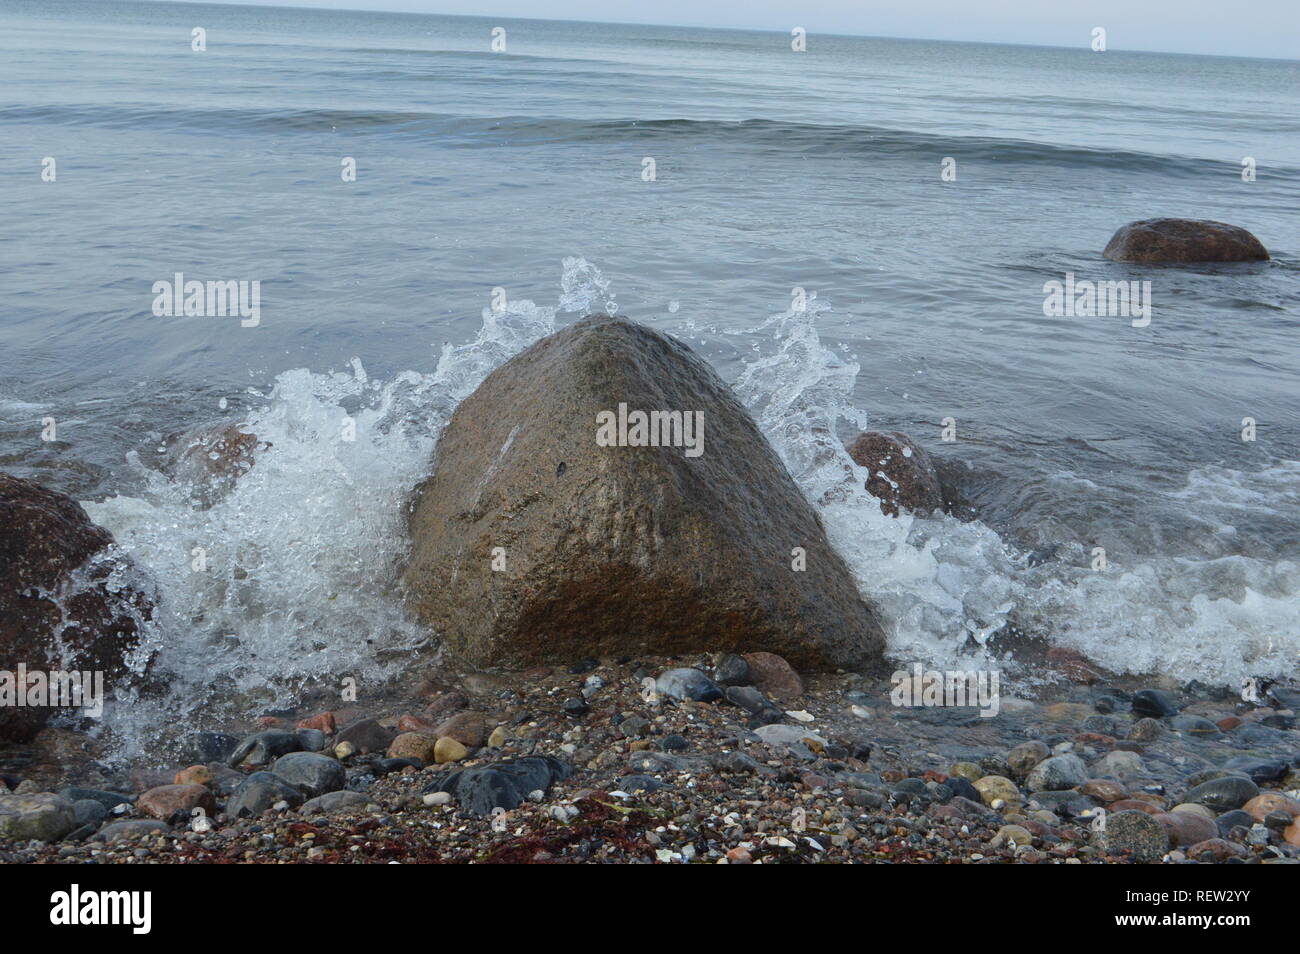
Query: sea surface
(528,170)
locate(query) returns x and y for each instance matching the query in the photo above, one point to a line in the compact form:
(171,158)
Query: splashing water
(942,586)
(301,556)
(946,586)
(290,579)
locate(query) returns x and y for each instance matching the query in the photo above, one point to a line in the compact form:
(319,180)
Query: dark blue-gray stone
(263,748)
(505,785)
(201,748)
(688,684)
(310,773)
(88,811)
(259,792)
(382,767)
(312,740)
(1234,819)
(1223,794)
(962,787)
(1259,770)
(639,783)
(910,786)
(1154,703)
(731,670)
(768,716)
(748,698)
(109,800)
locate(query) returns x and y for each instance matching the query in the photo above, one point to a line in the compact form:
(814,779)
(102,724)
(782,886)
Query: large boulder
(901,474)
(615,550)
(69,599)
(1179,241)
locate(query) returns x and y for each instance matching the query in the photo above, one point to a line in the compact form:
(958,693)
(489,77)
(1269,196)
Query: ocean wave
(472,131)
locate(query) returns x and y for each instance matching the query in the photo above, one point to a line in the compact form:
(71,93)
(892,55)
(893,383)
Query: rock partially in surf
(210,458)
(1024,757)
(1183,241)
(1223,794)
(901,474)
(1154,704)
(566,538)
(1074,665)
(69,599)
(202,747)
(500,785)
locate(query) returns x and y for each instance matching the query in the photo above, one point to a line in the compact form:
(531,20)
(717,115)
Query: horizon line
(684,26)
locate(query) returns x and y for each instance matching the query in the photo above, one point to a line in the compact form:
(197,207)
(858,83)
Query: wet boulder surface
(901,474)
(69,599)
(1183,241)
(536,540)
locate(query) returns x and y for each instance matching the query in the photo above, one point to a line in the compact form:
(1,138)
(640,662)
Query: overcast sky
(1246,28)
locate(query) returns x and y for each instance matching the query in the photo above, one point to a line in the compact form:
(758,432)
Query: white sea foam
(946,586)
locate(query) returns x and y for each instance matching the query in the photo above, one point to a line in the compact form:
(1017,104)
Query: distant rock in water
(563,520)
(68,599)
(1179,241)
(902,474)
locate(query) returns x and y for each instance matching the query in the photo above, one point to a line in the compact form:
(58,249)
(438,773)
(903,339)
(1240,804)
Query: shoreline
(861,781)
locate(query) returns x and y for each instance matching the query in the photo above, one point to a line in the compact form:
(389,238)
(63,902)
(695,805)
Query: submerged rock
(210,458)
(1223,794)
(1179,241)
(1057,773)
(504,785)
(901,473)
(566,538)
(1154,703)
(69,599)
